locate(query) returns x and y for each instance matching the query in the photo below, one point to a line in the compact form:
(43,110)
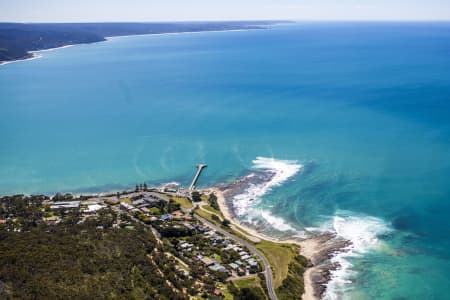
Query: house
(165,217)
(242,253)
(208,261)
(188,225)
(244,257)
(229,247)
(145,210)
(211,233)
(234,266)
(239,262)
(252,262)
(126,206)
(139,202)
(52,220)
(186,245)
(177,214)
(217,268)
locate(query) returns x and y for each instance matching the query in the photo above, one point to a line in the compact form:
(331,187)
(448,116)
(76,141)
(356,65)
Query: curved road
(251,248)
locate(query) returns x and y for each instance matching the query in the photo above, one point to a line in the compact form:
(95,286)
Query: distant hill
(17,39)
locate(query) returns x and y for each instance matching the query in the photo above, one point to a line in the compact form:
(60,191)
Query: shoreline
(108,38)
(35,54)
(317,249)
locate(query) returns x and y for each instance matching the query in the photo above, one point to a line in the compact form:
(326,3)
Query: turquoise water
(363,109)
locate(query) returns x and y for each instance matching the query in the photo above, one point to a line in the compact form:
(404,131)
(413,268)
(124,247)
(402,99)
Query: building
(65,205)
(217,268)
(165,217)
(208,261)
(92,208)
(177,214)
(252,262)
(156,196)
(138,202)
(126,206)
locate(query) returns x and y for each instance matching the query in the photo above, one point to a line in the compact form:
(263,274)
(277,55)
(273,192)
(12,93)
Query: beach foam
(363,232)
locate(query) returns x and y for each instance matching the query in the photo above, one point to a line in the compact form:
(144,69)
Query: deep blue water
(364,108)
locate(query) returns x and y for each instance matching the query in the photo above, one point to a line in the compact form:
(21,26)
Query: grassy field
(226,294)
(207,216)
(253,283)
(126,200)
(183,201)
(279,256)
(213,210)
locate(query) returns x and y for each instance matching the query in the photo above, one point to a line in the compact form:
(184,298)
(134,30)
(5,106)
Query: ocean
(352,118)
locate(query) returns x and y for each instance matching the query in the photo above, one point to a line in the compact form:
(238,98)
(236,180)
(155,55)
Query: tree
(225,223)
(196,196)
(212,200)
(145,186)
(249,294)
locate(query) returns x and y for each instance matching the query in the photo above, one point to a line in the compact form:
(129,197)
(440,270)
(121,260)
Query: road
(251,248)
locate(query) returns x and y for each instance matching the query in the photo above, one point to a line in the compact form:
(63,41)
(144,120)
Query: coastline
(317,249)
(107,38)
(33,56)
(35,53)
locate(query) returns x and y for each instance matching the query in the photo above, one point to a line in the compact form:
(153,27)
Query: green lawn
(252,283)
(183,201)
(279,256)
(226,294)
(213,210)
(207,216)
(126,200)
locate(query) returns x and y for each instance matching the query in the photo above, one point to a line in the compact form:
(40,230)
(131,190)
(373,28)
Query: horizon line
(240,20)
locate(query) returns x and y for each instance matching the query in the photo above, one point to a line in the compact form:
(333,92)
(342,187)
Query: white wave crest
(275,222)
(363,232)
(281,171)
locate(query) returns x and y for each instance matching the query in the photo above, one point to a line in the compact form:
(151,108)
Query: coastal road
(251,248)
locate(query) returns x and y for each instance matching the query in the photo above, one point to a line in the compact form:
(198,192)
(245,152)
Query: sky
(187,10)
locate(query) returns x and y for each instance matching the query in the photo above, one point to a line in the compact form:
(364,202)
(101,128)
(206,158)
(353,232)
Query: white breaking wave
(276,222)
(281,171)
(363,232)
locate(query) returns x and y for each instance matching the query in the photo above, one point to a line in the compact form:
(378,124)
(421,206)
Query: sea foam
(277,171)
(363,232)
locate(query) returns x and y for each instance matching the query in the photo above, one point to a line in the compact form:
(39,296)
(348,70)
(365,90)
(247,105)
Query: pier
(200,167)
